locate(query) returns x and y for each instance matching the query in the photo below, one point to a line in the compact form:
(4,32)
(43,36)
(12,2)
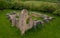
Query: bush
(10,5)
(5,5)
(48,7)
(2,4)
(57,12)
(30,5)
(41,6)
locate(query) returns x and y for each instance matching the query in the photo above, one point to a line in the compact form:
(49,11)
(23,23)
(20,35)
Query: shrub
(17,5)
(2,4)
(30,5)
(10,5)
(41,6)
(5,5)
(57,12)
(48,7)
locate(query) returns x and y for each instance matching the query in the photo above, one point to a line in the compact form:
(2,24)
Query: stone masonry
(21,22)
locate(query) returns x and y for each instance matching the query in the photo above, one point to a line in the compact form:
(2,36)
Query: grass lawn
(50,30)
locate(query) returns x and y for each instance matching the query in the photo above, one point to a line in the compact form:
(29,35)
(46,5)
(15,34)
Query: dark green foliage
(41,6)
(5,5)
(17,5)
(57,12)
(30,5)
(37,0)
(48,8)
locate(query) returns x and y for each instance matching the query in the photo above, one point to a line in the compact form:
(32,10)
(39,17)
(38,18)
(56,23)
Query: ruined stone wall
(21,23)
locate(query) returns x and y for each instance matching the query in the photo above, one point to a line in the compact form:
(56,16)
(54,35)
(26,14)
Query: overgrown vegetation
(37,0)
(57,12)
(30,5)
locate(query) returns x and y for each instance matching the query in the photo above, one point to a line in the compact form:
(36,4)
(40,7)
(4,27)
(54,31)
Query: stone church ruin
(25,22)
